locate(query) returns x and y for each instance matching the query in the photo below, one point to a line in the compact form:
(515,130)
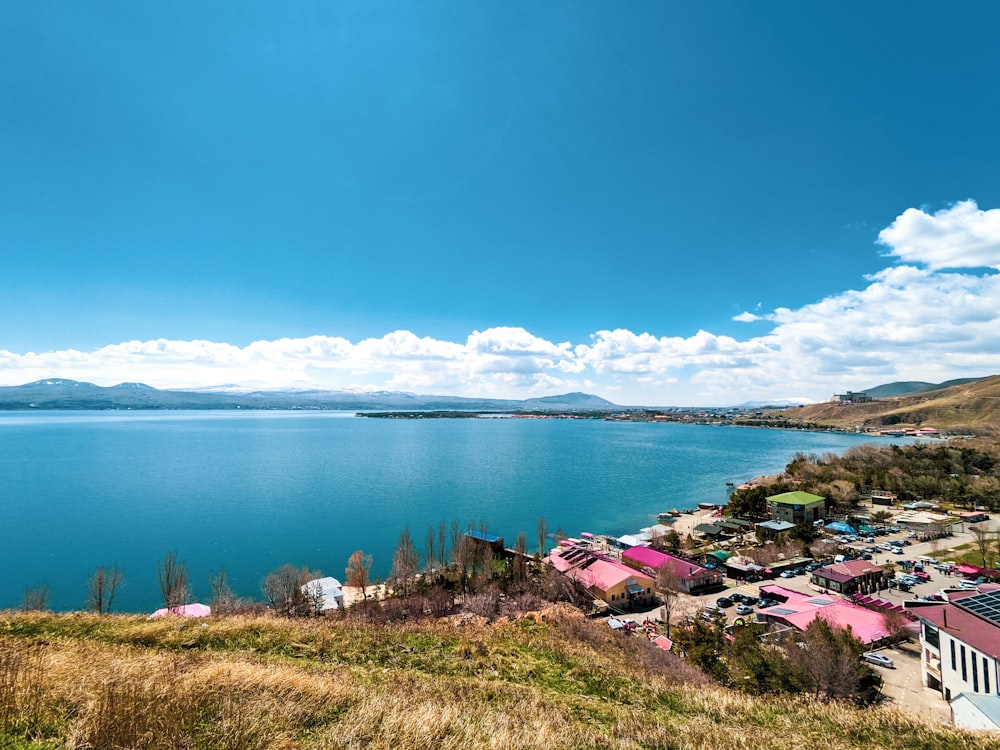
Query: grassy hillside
(549,681)
(968,408)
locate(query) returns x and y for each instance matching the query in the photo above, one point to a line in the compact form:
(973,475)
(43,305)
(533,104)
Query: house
(797,507)
(691,577)
(606,579)
(850,577)
(960,642)
(483,539)
(974,516)
(327,591)
(771,529)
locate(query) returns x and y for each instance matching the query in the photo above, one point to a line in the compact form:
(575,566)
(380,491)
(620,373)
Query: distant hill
(908,387)
(970,407)
(64,394)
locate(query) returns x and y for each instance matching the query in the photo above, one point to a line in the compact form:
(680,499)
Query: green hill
(550,680)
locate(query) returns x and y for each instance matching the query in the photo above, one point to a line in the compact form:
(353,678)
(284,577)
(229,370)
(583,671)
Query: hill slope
(552,681)
(968,408)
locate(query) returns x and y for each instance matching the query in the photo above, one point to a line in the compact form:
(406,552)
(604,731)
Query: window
(953,666)
(986,675)
(931,635)
(975,674)
(965,675)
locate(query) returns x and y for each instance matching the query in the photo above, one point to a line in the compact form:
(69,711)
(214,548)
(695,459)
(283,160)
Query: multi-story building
(960,642)
(797,507)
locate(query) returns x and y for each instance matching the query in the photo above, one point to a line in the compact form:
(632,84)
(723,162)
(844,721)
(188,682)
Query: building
(617,585)
(960,642)
(797,610)
(691,577)
(975,711)
(797,507)
(853,397)
(850,577)
(771,529)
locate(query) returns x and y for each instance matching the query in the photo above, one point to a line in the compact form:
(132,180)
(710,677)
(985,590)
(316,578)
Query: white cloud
(912,321)
(961,236)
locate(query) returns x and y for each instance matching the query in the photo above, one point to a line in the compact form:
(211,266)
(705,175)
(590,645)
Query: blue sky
(661,203)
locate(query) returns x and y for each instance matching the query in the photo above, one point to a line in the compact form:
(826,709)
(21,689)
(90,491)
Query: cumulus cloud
(922,319)
(962,236)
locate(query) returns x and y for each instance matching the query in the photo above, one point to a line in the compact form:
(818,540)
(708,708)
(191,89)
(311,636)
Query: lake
(253,490)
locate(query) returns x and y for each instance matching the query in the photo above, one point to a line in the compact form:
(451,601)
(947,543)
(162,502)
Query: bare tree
(442,551)
(431,558)
(405,560)
(102,587)
(981,537)
(173,580)
(543,532)
(36,598)
(520,566)
(224,601)
(668,584)
(828,661)
(289,592)
(359,566)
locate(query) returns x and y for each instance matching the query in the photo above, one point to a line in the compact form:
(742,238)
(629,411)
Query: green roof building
(797,507)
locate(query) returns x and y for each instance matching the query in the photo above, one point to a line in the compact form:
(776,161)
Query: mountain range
(65,394)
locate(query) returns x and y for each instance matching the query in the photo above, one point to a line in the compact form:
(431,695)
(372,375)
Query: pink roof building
(799,610)
(606,579)
(691,577)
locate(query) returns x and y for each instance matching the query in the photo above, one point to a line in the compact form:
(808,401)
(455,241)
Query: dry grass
(80,681)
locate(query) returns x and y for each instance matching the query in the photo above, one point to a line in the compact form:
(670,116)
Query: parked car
(765,603)
(724,601)
(897,550)
(743,609)
(736,597)
(876,658)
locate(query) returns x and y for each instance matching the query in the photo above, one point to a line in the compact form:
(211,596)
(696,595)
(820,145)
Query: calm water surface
(251,491)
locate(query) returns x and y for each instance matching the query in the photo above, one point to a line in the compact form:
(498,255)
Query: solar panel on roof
(782,611)
(986,606)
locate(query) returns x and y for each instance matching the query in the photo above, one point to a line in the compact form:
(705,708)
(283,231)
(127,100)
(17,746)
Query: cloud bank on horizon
(933,315)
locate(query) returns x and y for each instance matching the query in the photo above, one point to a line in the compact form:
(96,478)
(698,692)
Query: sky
(658,203)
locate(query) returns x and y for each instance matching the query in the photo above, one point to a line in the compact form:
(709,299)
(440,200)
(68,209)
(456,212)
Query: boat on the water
(706,506)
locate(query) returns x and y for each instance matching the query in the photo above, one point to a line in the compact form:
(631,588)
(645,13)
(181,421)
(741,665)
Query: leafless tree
(173,580)
(287,592)
(981,536)
(543,533)
(102,587)
(828,661)
(668,584)
(36,598)
(359,566)
(520,564)
(405,561)
(224,601)
(431,558)
(442,550)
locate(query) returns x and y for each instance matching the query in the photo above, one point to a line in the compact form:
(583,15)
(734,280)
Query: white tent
(331,589)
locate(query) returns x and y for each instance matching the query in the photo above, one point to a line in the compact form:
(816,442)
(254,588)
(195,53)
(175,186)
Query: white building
(328,591)
(960,643)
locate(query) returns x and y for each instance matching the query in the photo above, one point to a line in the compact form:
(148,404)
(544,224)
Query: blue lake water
(253,490)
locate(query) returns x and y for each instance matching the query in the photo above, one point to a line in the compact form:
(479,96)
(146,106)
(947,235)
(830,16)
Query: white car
(875,658)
